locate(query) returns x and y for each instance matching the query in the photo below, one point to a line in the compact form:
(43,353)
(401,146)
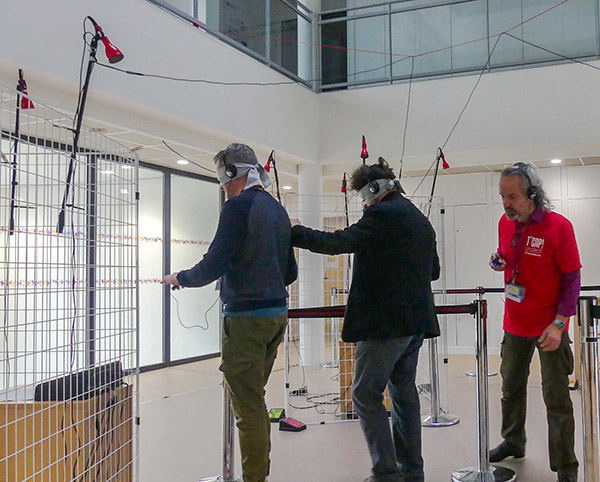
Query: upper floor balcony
(355,43)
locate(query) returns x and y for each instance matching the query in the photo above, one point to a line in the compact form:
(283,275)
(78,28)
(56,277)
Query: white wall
(473,208)
(44,37)
(530,114)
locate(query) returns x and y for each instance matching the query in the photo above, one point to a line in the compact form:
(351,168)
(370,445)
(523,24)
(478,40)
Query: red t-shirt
(544,250)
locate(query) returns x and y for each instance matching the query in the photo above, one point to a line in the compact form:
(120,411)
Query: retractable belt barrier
(484,472)
(589,320)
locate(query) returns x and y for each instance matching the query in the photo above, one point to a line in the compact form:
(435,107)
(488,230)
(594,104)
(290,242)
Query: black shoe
(503,451)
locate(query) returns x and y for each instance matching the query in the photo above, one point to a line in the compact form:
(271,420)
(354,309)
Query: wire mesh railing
(68,391)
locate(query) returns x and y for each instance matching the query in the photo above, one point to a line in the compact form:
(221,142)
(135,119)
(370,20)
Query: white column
(312,331)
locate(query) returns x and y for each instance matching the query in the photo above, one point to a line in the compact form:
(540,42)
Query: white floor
(180,433)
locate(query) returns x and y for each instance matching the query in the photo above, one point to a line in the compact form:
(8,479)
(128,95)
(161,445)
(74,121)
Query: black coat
(395,260)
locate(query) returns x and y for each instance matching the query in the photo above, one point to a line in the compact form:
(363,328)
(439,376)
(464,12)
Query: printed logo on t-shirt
(534,246)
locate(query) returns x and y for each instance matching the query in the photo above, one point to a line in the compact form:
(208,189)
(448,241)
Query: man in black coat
(390,310)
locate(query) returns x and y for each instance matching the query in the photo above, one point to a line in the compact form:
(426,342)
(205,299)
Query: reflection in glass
(151,265)
(194,219)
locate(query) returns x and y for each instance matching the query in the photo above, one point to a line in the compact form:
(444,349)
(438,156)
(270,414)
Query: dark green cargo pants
(248,353)
(556,366)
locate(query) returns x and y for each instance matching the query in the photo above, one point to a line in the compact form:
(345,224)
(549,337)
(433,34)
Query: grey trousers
(556,366)
(395,454)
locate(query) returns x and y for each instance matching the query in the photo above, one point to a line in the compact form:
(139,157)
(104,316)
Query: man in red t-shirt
(538,254)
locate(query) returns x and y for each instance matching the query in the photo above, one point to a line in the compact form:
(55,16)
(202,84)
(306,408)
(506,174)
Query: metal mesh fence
(69,300)
(320,365)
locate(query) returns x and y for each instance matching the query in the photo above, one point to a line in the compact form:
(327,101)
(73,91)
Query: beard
(511,214)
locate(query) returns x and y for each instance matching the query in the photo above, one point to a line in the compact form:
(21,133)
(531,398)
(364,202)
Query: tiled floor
(180,433)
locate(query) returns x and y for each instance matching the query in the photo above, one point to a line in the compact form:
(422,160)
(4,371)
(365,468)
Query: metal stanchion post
(286,369)
(471,373)
(335,323)
(227,469)
(484,472)
(436,419)
(589,314)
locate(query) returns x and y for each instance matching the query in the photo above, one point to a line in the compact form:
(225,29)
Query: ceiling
(156,151)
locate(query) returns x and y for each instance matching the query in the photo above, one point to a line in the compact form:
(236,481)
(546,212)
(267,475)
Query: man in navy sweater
(390,310)
(252,254)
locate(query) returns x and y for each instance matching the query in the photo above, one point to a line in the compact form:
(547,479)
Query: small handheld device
(498,261)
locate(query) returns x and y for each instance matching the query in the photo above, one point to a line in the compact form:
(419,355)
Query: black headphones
(374,185)
(532,191)
(230,169)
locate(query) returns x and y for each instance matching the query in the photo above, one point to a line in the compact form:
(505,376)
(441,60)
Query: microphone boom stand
(84,91)
(20,89)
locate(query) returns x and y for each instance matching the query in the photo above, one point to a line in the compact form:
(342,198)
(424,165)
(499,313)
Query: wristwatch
(560,324)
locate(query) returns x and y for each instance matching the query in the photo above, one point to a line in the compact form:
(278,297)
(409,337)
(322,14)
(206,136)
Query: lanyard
(518,241)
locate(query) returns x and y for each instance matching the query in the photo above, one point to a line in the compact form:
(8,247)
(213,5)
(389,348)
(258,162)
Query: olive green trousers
(249,349)
(556,366)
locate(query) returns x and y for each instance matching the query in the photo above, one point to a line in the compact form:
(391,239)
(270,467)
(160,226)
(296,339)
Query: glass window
(195,312)
(427,34)
(451,38)
(242,21)
(568,31)
(468,23)
(290,40)
(368,49)
(506,15)
(151,269)
(334,58)
(186,6)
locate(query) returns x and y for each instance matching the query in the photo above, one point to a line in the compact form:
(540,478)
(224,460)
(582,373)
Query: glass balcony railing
(374,43)
(278,33)
(397,40)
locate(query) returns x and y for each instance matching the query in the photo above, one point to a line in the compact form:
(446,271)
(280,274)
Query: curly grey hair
(531,184)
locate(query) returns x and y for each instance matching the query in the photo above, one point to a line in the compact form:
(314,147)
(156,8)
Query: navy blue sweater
(251,251)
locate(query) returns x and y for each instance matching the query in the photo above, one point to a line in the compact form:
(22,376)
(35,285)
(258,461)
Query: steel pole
(227,467)
(471,373)
(484,472)
(588,315)
(437,418)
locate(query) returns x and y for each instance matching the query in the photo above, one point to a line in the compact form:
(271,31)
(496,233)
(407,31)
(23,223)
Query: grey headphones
(522,169)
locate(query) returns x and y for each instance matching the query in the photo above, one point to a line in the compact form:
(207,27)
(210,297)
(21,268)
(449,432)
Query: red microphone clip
(343,184)
(441,156)
(364,154)
(26,103)
(268,164)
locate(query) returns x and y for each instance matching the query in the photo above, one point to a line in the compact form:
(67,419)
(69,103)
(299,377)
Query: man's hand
(497,263)
(171,279)
(550,339)
(295,222)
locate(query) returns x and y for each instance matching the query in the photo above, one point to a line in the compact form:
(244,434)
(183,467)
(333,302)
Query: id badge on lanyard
(514,292)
